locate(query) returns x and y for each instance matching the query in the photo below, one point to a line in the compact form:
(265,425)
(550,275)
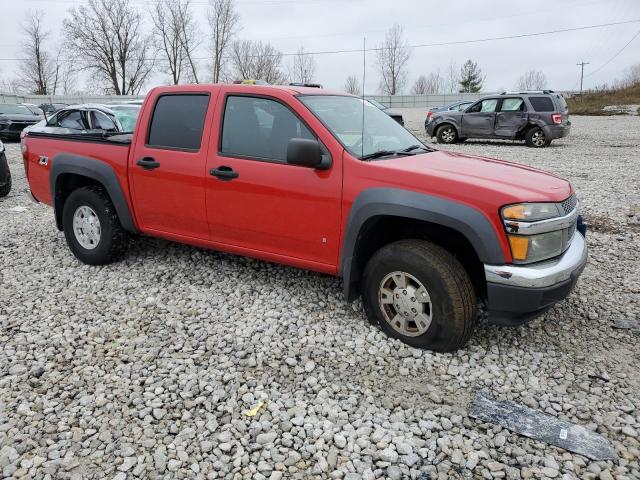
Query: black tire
(447,134)
(453,301)
(535,138)
(462,140)
(113,239)
(6,188)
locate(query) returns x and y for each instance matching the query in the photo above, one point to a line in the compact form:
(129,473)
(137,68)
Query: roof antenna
(364,73)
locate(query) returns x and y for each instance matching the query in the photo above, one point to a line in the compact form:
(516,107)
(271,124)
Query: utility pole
(581,65)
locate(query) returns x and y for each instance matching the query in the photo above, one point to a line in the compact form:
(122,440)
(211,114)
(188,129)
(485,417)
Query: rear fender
(95,170)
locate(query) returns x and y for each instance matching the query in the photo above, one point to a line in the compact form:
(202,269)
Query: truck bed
(40,151)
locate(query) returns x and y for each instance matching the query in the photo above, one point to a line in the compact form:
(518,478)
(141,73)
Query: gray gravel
(147,368)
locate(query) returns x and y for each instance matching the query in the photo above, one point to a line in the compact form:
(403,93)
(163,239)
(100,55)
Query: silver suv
(537,117)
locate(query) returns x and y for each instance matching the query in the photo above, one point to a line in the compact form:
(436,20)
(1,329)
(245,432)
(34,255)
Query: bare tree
(352,85)
(106,38)
(392,57)
(303,67)
(451,82)
(532,80)
(631,76)
(39,70)
(224,22)
(424,85)
(257,60)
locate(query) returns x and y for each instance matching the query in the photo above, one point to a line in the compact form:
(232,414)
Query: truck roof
(264,89)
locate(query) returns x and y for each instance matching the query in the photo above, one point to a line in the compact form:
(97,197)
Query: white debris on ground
(146,368)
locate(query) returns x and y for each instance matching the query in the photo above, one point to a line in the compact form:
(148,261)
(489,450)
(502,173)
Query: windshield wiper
(415,147)
(384,153)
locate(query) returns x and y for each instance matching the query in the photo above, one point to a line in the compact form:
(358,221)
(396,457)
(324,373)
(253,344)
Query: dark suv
(535,117)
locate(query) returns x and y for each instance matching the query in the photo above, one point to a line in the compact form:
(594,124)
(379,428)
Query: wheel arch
(70,172)
(382,215)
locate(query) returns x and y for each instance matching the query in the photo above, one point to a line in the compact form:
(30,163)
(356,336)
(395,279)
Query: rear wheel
(447,134)
(418,292)
(535,138)
(92,228)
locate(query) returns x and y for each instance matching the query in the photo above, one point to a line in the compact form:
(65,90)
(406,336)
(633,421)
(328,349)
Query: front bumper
(519,293)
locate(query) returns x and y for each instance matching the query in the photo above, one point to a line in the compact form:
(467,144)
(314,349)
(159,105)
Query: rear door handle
(148,163)
(224,173)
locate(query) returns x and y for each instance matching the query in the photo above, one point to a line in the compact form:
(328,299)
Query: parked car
(287,175)
(458,106)
(89,119)
(535,117)
(5,173)
(396,115)
(14,118)
(36,110)
(50,108)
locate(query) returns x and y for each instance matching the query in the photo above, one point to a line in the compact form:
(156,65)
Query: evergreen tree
(471,78)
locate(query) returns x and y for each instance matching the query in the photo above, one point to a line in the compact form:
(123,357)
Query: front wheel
(447,134)
(92,228)
(418,292)
(536,138)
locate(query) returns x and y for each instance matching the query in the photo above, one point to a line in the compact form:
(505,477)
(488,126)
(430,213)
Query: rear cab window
(512,105)
(178,122)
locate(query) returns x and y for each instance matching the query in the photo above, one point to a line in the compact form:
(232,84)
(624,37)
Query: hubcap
(538,138)
(405,304)
(448,135)
(86,227)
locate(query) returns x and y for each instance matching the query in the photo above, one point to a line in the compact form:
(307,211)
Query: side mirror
(307,153)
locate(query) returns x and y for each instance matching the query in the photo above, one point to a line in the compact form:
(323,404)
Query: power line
(615,56)
(423,45)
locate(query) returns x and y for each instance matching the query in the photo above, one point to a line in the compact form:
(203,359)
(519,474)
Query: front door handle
(148,163)
(224,173)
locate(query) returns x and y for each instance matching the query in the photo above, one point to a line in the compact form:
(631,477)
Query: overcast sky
(321,25)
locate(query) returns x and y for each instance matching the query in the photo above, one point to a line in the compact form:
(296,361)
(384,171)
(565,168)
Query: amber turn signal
(519,247)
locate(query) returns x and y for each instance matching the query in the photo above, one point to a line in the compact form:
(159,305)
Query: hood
(475,179)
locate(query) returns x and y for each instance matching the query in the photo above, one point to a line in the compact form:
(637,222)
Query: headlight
(534,248)
(539,231)
(531,212)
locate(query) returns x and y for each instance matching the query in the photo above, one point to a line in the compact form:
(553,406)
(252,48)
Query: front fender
(467,221)
(96,170)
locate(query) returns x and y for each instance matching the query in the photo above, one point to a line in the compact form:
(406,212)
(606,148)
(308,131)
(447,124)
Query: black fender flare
(468,221)
(96,170)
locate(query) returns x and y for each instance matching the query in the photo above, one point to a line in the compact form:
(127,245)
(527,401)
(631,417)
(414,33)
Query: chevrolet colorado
(434,242)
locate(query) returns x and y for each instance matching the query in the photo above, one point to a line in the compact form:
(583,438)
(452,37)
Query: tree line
(106,41)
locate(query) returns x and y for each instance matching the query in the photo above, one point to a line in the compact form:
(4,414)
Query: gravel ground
(147,368)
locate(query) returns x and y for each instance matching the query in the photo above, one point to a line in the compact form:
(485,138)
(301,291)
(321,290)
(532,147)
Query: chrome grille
(569,204)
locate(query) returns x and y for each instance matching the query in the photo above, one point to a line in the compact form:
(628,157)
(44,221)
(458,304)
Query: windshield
(14,110)
(126,115)
(342,115)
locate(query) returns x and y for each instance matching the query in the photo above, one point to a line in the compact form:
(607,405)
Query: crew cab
(434,242)
(537,117)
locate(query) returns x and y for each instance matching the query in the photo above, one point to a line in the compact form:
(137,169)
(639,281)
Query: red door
(258,202)
(169,163)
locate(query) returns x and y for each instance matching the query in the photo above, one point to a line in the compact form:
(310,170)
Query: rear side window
(73,120)
(178,121)
(259,128)
(102,122)
(542,104)
(512,105)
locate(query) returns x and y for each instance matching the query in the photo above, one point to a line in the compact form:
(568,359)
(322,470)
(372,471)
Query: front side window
(343,115)
(485,106)
(512,105)
(178,122)
(101,122)
(259,128)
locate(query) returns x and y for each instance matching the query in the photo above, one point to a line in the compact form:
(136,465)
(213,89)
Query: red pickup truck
(435,242)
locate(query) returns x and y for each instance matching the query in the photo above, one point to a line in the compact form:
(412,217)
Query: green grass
(592,103)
